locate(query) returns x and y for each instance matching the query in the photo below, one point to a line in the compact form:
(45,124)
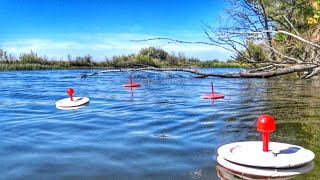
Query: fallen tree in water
(200,74)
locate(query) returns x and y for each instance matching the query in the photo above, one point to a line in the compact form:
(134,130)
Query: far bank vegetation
(155,57)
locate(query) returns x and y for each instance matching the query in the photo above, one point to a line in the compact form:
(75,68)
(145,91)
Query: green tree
(29,58)
(155,53)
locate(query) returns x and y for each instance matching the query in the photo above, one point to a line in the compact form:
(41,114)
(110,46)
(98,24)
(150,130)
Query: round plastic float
(72,102)
(212,95)
(131,83)
(280,155)
(249,172)
(273,160)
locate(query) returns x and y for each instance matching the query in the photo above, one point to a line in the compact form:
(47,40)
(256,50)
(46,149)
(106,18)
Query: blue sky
(101,28)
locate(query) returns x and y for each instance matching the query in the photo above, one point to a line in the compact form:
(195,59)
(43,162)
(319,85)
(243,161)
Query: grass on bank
(18,67)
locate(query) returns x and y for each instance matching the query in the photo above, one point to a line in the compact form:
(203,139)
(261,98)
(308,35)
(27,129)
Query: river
(162,130)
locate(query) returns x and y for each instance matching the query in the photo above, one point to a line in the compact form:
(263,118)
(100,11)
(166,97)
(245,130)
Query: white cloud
(23,45)
(100,45)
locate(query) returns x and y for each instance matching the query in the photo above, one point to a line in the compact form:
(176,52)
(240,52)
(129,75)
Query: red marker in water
(266,124)
(70,91)
(131,83)
(212,95)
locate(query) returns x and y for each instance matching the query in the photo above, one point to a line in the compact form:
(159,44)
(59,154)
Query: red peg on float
(212,90)
(266,124)
(70,91)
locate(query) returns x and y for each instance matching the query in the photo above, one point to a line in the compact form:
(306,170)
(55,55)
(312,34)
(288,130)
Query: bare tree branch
(283,32)
(291,25)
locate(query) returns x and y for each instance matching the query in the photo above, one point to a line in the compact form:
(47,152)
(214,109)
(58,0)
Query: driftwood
(246,74)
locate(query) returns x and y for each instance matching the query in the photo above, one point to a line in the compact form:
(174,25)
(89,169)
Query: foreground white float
(244,172)
(72,102)
(273,160)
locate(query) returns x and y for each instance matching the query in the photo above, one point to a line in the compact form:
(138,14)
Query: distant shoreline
(155,57)
(22,67)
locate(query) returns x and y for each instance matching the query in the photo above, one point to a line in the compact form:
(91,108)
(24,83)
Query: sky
(104,28)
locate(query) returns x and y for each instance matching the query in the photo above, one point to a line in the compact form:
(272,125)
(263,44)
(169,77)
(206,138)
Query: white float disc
(77,103)
(256,172)
(72,108)
(280,155)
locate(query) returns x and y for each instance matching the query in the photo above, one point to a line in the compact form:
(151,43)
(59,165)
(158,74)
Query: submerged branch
(189,70)
(247,74)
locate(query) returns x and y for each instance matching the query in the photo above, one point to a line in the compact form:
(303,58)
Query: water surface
(163,130)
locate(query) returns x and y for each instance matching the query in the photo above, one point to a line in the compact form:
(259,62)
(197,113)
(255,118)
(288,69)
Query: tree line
(151,56)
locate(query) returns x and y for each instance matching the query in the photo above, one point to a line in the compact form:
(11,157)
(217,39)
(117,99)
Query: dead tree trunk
(200,74)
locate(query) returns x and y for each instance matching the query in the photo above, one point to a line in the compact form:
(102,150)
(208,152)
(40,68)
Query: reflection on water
(225,174)
(164,131)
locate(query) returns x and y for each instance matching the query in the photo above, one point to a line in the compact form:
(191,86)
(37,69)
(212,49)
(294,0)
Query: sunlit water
(163,130)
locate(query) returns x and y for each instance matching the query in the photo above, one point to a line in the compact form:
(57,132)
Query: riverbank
(21,67)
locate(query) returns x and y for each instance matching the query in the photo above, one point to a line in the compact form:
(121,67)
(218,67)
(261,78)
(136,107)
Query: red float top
(70,91)
(266,123)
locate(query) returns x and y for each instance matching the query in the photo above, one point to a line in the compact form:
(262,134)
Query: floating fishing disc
(131,85)
(280,155)
(258,173)
(67,104)
(212,96)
